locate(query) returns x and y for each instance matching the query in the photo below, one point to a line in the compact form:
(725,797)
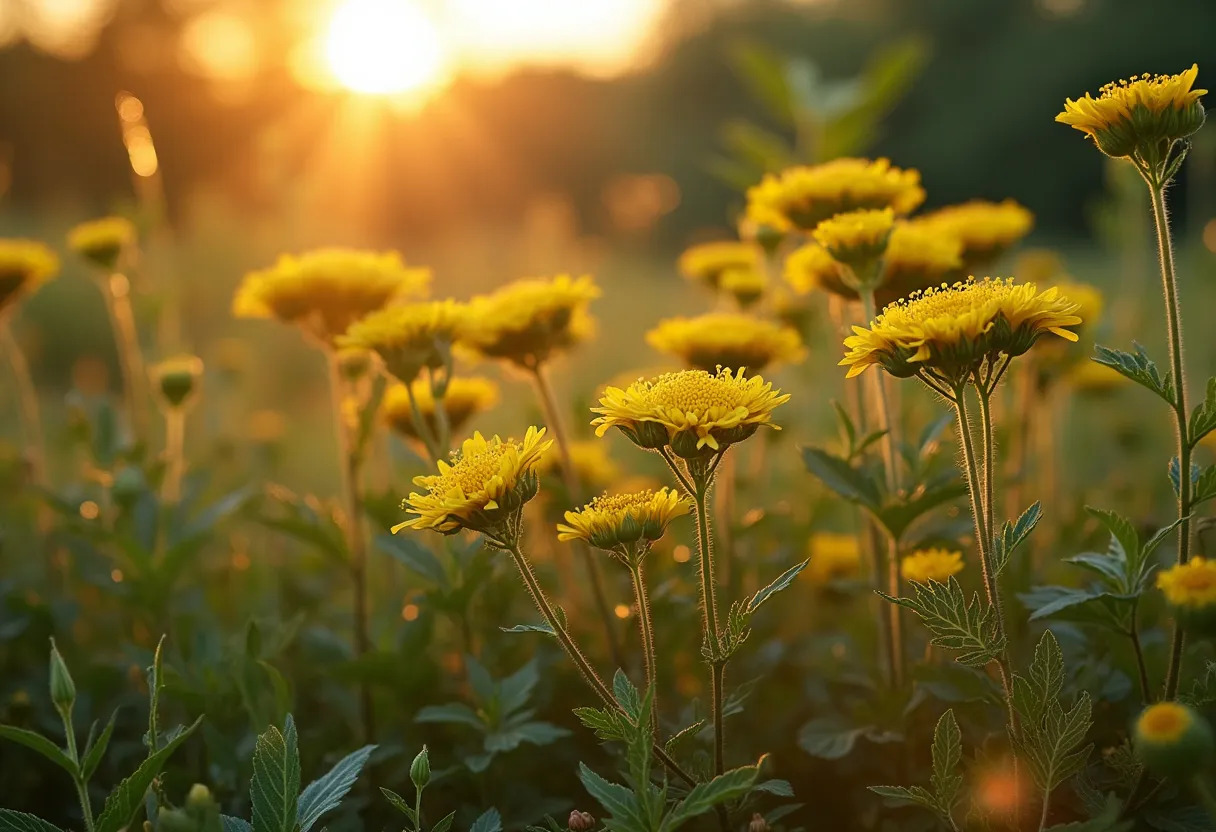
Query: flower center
(695,392)
(1164,722)
(470,473)
(952,301)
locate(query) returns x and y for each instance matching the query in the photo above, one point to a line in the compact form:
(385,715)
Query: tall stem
(580,661)
(985,399)
(647,633)
(27,395)
(175,456)
(544,392)
(82,788)
(709,610)
(1133,633)
(1173,319)
(349,462)
(117,291)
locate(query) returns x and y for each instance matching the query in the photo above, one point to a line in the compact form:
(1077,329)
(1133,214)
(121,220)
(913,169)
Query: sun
(383,47)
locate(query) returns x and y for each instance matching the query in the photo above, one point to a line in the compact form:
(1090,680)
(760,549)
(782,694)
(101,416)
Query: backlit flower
(527,321)
(918,256)
(857,239)
(483,488)
(833,557)
(1173,740)
(1190,590)
(706,262)
(802,197)
(410,338)
(954,329)
(465,396)
(614,522)
(692,411)
(103,241)
(325,291)
(985,229)
(811,267)
(24,266)
(927,565)
(724,339)
(746,286)
(1134,115)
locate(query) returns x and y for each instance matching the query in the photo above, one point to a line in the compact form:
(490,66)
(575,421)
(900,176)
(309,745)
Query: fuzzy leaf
(1012,535)
(620,802)
(97,749)
(39,743)
(947,780)
(782,582)
(399,804)
(124,803)
(326,792)
(275,790)
(1203,417)
(606,724)
(626,694)
(1139,368)
(12,821)
(1205,486)
(837,474)
(677,740)
(705,796)
(543,627)
(956,624)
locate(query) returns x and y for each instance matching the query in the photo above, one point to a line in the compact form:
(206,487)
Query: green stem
(27,395)
(82,789)
(709,607)
(175,456)
(580,661)
(1133,633)
(439,390)
(986,432)
(117,291)
(420,426)
(647,633)
(1173,319)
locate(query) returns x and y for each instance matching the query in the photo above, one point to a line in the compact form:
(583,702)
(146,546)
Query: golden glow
(219,45)
(383,47)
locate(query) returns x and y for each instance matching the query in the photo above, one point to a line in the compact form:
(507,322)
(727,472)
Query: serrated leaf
(676,740)
(626,694)
(1203,417)
(327,791)
(904,795)
(782,582)
(275,789)
(705,796)
(124,803)
(946,780)
(97,750)
(13,821)
(399,804)
(487,821)
(1012,535)
(606,724)
(852,484)
(955,623)
(39,743)
(1139,368)
(619,801)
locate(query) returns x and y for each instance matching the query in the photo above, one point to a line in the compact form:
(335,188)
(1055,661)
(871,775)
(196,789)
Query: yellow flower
(102,242)
(483,488)
(690,410)
(918,256)
(954,329)
(857,238)
(1088,299)
(593,466)
(1191,584)
(706,262)
(325,291)
(746,286)
(724,339)
(810,267)
(927,565)
(177,378)
(409,338)
(802,197)
(834,557)
(464,397)
(527,321)
(24,266)
(985,229)
(1133,116)
(614,522)
(1173,740)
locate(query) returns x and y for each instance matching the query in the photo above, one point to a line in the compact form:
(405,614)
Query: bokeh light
(383,47)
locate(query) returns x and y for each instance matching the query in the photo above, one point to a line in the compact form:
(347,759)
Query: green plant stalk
(439,390)
(580,661)
(27,396)
(1173,317)
(175,457)
(709,611)
(420,426)
(544,392)
(350,465)
(647,634)
(82,788)
(117,291)
(1133,633)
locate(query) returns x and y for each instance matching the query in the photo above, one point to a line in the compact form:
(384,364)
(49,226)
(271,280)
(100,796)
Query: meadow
(833,532)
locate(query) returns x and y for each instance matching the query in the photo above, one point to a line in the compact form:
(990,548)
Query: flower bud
(580,821)
(420,769)
(199,797)
(177,379)
(1173,740)
(128,484)
(63,689)
(757,823)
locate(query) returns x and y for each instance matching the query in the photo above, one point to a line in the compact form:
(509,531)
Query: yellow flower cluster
(527,321)
(954,329)
(465,396)
(724,339)
(811,266)
(802,197)
(482,489)
(985,229)
(690,410)
(24,266)
(409,338)
(857,238)
(708,262)
(325,291)
(103,241)
(834,557)
(1132,116)
(926,565)
(1189,585)
(616,521)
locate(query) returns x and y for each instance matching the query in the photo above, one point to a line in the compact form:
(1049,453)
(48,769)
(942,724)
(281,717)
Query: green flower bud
(200,797)
(420,769)
(1173,740)
(63,689)
(129,483)
(177,379)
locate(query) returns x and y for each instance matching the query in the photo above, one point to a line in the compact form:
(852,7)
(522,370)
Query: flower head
(103,241)
(615,522)
(1190,590)
(834,557)
(325,291)
(954,329)
(483,488)
(692,411)
(926,565)
(746,286)
(464,397)
(1173,740)
(1133,116)
(918,256)
(529,320)
(811,266)
(707,262)
(802,197)
(724,339)
(24,266)
(410,338)
(985,229)
(857,238)
(177,379)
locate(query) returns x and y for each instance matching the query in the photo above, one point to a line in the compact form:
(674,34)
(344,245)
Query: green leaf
(445,823)
(1086,606)
(903,795)
(947,780)
(127,799)
(837,474)
(1012,535)
(453,712)
(12,821)
(626,694)
(399,804)
(156,683)
(1205,486)
(39,743)
(487,821)
(543,627)
(705,796)
(231,824)
(607,725)
(679,738)
(275,789)
(619,801)
(782,582)
(1203,417)
(1175,475)
(1139,368)
(829,739)
(898,516)
(416,557)
(326,792)
(97,750)
(955,623)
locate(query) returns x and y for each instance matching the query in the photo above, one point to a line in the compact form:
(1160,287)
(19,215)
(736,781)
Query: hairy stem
(27,396)
(82,788)
(647,634)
